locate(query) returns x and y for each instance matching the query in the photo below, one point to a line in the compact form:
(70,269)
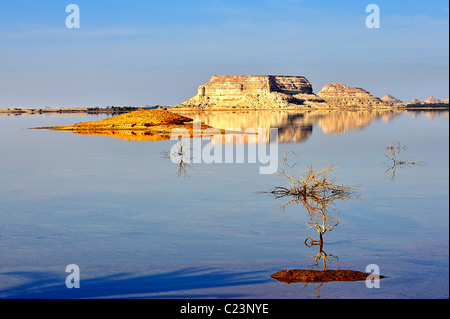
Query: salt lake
(119,210)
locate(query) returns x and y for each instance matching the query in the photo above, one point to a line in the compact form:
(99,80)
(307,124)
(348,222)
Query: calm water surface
(118,210)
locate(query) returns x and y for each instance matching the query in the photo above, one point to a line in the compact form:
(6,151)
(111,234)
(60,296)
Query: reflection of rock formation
(293,126)
(341,95)
(342,121)
(255,92)
(432,115)
(429,113)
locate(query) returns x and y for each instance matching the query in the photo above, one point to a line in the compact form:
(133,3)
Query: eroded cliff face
(255,92)
(340,95)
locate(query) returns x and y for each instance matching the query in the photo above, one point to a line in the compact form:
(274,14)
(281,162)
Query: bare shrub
(317,191)
(392,153)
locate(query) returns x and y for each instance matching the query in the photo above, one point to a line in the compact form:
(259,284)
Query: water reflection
(392,153)
(129,135)
(429,113)
(317,191)
(293,126)
(180,154)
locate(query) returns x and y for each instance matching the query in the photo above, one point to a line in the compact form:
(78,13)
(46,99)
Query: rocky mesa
(341,95)
(255,92)
(276,92)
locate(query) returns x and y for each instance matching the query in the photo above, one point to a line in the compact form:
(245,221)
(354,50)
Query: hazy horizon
(157,53)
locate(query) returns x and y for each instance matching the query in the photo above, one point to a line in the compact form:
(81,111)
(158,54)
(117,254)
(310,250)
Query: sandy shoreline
(121,110)
(67,110)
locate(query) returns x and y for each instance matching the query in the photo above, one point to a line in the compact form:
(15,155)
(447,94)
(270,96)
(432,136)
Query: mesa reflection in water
(293,126)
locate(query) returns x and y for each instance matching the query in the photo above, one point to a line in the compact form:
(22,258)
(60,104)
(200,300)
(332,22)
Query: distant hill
(428,102)
(390,99)
(431,100)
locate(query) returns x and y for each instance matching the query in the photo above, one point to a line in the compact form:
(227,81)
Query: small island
(138,125)
(275,92)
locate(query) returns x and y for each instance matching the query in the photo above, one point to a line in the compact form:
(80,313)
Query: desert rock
(431,100)
(390,99)
(307,275)
(255,92)
(415,101)
(341,95)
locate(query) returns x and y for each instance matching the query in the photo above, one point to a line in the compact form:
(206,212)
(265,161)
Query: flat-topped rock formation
(341,95)
(390,99)
(255,92)
(276,92)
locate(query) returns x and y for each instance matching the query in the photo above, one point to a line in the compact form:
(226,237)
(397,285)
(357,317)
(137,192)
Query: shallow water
(118,210)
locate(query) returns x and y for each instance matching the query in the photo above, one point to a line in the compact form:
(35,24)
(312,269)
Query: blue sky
(158,52)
